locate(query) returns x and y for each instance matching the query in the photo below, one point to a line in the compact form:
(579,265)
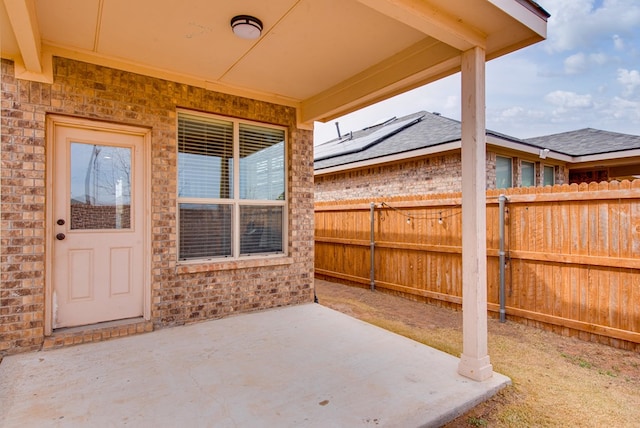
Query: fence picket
(573,253)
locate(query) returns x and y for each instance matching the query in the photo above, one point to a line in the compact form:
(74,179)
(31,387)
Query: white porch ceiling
(325,57)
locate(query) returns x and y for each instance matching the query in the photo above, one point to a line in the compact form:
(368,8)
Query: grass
(556,381)
(476,422)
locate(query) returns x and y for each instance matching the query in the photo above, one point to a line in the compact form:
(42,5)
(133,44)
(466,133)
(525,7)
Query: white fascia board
(525,148)
(606,156)
(524,15)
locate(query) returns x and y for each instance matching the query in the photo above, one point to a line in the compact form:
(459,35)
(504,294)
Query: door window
(100,187)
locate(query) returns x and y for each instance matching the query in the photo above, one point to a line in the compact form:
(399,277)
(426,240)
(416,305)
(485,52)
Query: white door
(98,220)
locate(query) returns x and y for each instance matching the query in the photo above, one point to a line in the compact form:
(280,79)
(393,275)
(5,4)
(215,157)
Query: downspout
(503,313)
(372,246)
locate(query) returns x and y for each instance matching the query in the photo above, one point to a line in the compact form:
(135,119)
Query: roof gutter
(606,156)
(526,148)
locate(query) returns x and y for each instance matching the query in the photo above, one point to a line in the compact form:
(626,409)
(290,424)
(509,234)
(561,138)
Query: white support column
(474,361)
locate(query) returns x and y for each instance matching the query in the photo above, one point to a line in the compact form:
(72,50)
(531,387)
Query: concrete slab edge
(464,408)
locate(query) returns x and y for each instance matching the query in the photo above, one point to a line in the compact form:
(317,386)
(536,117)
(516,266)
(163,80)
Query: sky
(586,74)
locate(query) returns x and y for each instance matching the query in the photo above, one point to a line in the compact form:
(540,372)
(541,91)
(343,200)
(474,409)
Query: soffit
(325,57)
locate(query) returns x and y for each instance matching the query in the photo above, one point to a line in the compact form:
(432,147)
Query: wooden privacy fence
(572,253)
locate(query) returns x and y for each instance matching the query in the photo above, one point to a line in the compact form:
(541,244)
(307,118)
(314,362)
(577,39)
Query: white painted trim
(606,156)
(524,148)
(523,15)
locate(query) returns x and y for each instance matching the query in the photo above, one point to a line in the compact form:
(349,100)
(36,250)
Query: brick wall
(178,294)
(438,174)
(435,174)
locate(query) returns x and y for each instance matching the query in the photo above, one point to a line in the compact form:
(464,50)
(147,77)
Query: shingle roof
(587,141)
(423,129)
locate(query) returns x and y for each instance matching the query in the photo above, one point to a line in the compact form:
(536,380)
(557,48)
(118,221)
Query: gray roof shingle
(423,129)
(587,141)
(428,130)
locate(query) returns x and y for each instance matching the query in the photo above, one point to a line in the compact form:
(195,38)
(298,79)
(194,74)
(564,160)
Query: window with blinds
(227,212)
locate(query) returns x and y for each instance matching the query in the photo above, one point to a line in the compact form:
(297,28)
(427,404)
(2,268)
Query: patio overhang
(326,58)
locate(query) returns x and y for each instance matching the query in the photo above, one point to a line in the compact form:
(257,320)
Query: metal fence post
(373,244)
(503,312)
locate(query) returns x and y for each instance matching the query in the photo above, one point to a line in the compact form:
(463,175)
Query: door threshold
(70,336)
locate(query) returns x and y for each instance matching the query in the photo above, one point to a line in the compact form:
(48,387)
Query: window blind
(205,231)
(261,163)
(205,157)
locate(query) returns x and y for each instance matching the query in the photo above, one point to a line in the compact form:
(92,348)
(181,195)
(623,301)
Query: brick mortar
(101,93)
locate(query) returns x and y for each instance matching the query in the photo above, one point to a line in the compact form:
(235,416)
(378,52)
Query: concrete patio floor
(300,366)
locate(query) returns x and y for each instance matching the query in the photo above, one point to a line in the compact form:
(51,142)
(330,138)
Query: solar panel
(346,146)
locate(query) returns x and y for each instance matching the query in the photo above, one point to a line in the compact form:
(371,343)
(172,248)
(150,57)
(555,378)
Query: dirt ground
(557,381)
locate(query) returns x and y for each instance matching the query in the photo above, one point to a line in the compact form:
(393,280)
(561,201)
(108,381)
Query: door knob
(60,236)
(60,222)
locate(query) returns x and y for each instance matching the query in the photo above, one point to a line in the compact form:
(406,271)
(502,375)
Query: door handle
(60,236)
(60,222)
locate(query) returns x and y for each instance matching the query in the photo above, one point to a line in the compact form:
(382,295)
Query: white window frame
(236,202)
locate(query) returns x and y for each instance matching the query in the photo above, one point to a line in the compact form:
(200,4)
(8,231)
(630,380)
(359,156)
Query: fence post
(503,312)
(373,244)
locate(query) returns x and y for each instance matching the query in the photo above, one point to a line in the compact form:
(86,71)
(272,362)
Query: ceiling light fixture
(246,27)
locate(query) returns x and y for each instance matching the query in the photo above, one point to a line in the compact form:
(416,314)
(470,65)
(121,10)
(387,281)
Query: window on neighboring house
(528,174)
(548,176)
(231,188)
(504,176)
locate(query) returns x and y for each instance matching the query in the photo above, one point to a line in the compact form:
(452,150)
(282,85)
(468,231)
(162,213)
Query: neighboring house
(157,155)
(595,155)
(420,153)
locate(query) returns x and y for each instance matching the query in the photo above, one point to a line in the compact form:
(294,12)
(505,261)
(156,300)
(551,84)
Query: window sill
(208,266)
